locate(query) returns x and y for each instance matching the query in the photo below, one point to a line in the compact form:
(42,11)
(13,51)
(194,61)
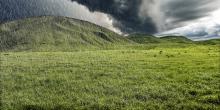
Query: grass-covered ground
(62,63)
(134,77)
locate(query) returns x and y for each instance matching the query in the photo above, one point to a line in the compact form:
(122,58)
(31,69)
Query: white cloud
(75,10)
(152,9)
(201,29)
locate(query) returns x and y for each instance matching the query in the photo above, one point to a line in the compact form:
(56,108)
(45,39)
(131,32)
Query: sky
(196,19)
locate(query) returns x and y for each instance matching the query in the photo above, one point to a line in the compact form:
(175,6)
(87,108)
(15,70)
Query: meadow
(133,77)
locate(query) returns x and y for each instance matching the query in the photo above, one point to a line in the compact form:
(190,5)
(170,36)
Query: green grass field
(59,63)
(162,77)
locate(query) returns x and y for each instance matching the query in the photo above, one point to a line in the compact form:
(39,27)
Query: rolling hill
(49,33)
(209,42)
(144,38)
(176,39)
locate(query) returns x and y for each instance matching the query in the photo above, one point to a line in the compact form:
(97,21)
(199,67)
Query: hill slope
(176,39)
(49,33)
(210,42)
(144,38)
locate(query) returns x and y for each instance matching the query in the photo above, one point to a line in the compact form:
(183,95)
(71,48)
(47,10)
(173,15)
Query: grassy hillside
(55,34)
(169,40)
(49,33)
(176,39)
(144,38)
(150,39)
(210,42)
(40,68)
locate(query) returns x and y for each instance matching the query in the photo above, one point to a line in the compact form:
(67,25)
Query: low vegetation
(98,69)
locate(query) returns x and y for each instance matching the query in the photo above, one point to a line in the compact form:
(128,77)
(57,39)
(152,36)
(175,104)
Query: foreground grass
(159,78)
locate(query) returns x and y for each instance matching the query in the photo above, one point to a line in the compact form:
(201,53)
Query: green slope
(210,42)
(147,39)
(49,33)
(144,38)
(176,39)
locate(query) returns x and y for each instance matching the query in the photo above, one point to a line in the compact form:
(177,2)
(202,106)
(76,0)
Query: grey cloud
(186,10)
(125,14)
(151,16)
(18,9)
(203,33)
(196,32)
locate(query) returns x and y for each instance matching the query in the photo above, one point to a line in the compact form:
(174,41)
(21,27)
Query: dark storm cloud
(124,12)
(170,13)
(16,9)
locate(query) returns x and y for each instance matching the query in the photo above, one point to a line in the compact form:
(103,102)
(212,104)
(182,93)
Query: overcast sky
(196,19)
